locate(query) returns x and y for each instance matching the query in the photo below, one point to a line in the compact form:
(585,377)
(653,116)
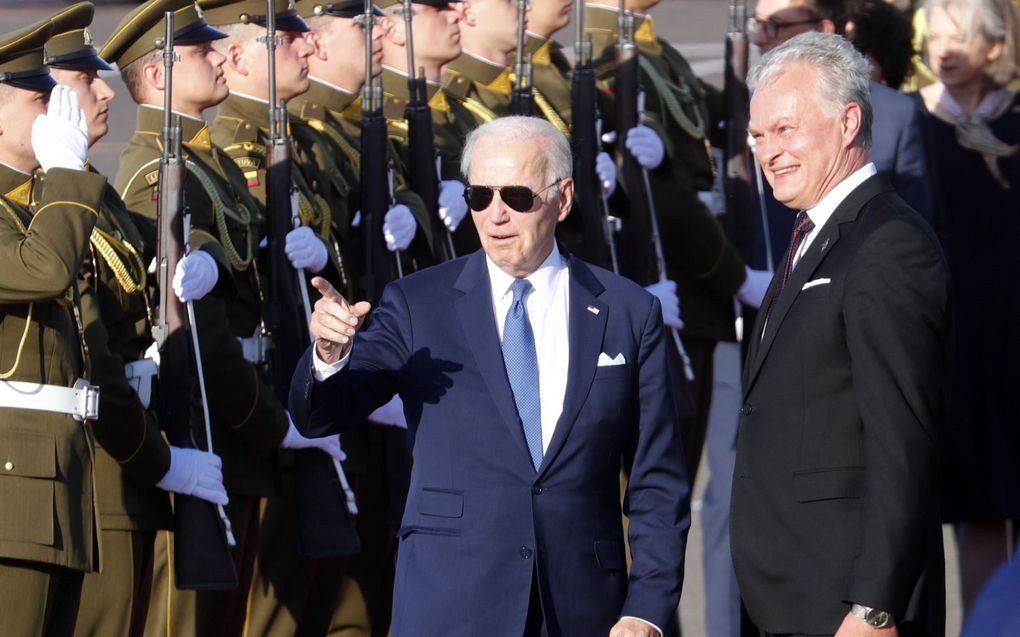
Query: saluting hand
(334,322)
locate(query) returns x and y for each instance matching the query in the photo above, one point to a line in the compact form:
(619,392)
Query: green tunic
(46,470)
(480,86)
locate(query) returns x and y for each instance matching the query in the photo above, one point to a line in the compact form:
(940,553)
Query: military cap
(22,56)
(342,9)
(141,31)
(253,12)
(70,44)
(439,4)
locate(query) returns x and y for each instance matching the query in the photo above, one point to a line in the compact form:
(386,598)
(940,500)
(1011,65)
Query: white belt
(80,401)
(139,375)
(256,347)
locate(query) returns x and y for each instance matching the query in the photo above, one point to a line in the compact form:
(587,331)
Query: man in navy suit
(528,379)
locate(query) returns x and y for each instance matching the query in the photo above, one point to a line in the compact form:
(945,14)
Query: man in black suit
(834,522)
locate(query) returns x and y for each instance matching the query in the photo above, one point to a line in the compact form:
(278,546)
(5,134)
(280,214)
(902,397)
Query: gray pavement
(696,26)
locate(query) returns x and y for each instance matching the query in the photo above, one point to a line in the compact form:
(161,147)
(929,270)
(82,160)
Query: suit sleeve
(896,317)
(378,360)
(658,493)
(910,176)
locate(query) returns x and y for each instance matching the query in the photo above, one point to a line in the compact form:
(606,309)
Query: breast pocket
(28,466)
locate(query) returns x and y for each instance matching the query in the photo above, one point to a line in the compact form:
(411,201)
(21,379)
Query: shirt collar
(824,208)
(543,280)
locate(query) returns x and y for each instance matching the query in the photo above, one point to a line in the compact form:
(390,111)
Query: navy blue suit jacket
(898,151)
(479,519)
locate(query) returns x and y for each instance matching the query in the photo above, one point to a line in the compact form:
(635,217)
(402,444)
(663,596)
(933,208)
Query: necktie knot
(519,288)
(803,225)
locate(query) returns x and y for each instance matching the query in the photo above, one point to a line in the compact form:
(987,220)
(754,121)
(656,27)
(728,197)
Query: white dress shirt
(828,204)
(547,306)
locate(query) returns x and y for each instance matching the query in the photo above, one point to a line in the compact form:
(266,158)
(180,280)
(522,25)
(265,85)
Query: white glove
(752,291)
(398,228)
(452,207)
(645,145)
(605,168)
(392,413)
(665,291)
(195,276)
(329,445)
(60,138)
(306,250)
(356,221)
(197,473)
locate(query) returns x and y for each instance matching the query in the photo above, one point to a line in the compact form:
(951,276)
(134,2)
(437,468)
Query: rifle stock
(202,536)
(325,527)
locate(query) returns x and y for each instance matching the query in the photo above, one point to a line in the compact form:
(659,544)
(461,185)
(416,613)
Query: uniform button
(525,553)
(9,466)
(537,489)
(746,409)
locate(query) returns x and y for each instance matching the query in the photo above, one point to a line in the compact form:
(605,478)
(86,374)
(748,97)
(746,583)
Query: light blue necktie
(521,362)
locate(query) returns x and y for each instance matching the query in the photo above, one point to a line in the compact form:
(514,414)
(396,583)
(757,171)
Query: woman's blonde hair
(998,22)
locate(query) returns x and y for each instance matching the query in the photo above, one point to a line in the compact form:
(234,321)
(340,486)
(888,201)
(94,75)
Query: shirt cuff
(322,370)
(657,629)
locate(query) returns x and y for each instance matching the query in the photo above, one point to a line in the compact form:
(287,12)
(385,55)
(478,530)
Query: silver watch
(875,618)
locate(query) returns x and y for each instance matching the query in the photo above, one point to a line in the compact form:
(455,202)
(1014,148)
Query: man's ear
(391,31)
(467,13)
(318,50)
(566,189)
(152,73)
(826,25)
(851,124)
(235,58)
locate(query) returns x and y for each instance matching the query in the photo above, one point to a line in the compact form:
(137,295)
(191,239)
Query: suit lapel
(475,312)
(587,326)
(822,244)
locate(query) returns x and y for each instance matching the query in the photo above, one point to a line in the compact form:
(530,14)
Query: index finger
(327,290)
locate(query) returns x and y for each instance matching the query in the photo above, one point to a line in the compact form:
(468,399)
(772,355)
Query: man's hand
(334,322)
(645,145)
(856,627)
(605,168)
(329,445)
(195,472)
(60,138)
(632,627)
(665,291)
(195,276)
(452,207)
(305,250)
(398,228)
(756,284)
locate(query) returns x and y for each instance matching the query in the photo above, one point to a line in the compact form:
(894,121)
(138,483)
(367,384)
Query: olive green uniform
(481,87)
(292,593)
(131,454)
(550,77)
(48,530)
(699,258)
(248,422)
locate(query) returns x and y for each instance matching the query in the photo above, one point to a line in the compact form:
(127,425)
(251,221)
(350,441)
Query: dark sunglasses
(520,198)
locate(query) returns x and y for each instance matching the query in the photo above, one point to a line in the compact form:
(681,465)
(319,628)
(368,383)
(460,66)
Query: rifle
(746,220)
(522,101)
(202,532)
(376,178)
(642,225)
(591,209)
(325,500)
(422,158)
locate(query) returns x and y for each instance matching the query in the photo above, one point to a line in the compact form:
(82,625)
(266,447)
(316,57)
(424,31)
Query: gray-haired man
(835,526)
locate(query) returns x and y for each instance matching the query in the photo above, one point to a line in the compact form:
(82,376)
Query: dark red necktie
(801,229)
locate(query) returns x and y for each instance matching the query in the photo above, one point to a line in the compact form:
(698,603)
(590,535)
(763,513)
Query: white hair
(548,140)
(843,73)
(995,21)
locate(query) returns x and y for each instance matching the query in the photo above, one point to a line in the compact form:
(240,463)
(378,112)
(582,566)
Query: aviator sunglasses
(520,198)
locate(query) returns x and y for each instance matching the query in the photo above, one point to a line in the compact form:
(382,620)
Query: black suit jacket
(834,491)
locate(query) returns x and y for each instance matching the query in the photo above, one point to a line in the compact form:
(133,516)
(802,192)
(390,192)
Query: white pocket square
(605,361)
(811,284)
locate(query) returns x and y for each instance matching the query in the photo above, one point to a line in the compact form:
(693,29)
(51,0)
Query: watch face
(879,618)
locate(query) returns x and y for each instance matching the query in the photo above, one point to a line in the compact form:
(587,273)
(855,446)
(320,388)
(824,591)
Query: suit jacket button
(525,552)
(746,409)
(537,489)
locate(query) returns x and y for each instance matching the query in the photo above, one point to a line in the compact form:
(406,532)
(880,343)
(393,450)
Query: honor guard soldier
(549,65)
(248,422)
(479,78)
(293,588)
(48,532)
(708,271)
(134,465)
(435,29)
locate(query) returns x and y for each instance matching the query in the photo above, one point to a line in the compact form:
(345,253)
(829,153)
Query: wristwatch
(875,618)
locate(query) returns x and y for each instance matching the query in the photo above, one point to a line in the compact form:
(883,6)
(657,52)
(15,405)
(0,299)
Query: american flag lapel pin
(594,310)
